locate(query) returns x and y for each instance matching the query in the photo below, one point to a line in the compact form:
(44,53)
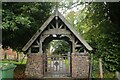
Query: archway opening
(58,47)
(57,61)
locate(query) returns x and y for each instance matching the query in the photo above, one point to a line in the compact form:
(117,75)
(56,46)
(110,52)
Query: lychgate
(73,65)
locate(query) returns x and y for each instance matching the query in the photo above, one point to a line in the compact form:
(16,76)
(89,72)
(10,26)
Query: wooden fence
(98,70)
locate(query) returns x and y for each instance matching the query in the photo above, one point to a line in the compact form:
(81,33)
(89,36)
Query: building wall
(34,66)
(80,66)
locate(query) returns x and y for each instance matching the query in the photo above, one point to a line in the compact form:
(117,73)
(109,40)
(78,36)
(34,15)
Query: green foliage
(60,46)
(20,20)
(71,17)
(99,25)
(104,35)
(96,71)
(97,22)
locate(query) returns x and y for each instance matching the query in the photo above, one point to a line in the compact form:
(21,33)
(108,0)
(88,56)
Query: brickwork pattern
(80,66)
(34,66)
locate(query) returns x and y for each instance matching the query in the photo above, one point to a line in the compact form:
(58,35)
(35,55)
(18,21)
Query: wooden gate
(57,66)
(56,27)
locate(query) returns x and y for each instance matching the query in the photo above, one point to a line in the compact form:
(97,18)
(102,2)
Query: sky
(76,7)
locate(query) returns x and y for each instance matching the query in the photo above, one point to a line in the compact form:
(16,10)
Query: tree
(104,33)
(59,46)
(99,25)
(21,20)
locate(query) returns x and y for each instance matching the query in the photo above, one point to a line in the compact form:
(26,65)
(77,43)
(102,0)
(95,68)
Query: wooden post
(101,70)
(23,57)
(90,68)
(117,75)
(1,56)
(40,47)
(5,56)
(17,56)
(73,43)
(85,52)
(29,51)
(73,47)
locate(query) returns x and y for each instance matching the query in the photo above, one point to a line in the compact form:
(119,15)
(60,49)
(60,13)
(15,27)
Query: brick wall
(34,66)
(80,66)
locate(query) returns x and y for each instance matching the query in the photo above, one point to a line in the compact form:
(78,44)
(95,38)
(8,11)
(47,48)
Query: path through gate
(57,66)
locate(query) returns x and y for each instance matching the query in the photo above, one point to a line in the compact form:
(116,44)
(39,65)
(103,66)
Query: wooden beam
(72,38)
(43,37)
(73,47)
(29,51)
(37,42)
(64,27)
(38,32)
(57,24)
(52,26)
(78,45)
(61,26)
(74,32)
(56,31)
(40,48)
(76,42)
(85,51)
(56,12)
(90,67)
(35,45)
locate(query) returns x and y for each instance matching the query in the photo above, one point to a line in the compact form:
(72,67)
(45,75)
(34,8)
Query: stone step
(58,79)
(63,79)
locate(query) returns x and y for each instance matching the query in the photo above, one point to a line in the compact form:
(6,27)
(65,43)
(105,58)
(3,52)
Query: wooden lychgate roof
(41,29)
